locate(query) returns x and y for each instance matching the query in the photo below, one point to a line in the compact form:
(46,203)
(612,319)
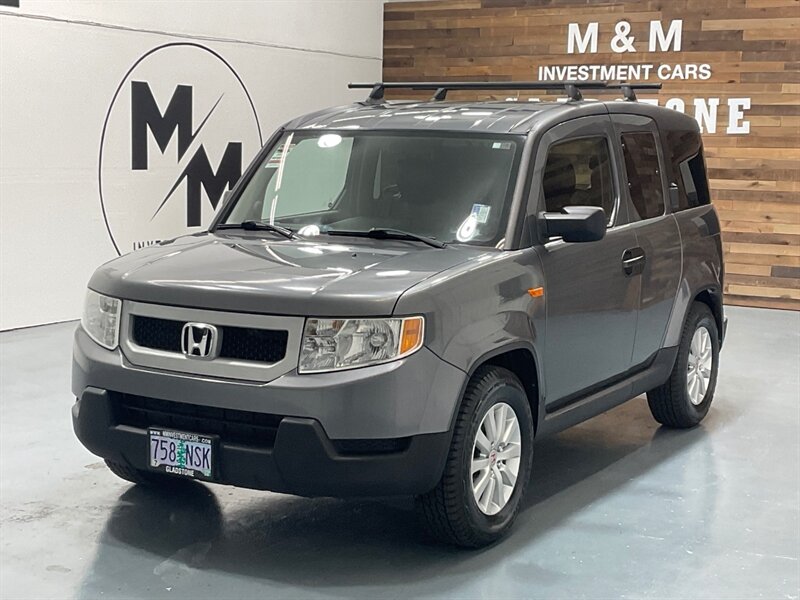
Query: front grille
(158,334)
(232,426)
(238,343)
(262,345)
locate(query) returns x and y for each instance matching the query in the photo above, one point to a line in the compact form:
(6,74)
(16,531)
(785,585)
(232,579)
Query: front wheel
(488,465)
(684,399)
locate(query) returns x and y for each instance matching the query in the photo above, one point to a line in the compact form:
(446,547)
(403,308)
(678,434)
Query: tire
(672,403)
(141,477)
(451,511)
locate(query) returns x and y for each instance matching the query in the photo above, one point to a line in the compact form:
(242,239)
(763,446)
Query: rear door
(658,249)
(591,301)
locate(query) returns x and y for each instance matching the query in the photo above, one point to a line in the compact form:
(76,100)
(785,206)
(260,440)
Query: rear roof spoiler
(572,88)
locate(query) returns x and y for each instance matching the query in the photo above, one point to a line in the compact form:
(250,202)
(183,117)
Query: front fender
(480,340)
(481,308)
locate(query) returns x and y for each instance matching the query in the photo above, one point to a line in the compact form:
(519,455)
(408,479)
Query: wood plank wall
(752,47)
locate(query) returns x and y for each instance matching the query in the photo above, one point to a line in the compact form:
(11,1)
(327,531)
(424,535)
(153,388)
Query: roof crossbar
(572,88)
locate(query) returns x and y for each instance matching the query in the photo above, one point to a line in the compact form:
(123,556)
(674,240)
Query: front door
(591,294)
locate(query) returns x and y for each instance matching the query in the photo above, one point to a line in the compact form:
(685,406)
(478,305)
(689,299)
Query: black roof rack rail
(572,88)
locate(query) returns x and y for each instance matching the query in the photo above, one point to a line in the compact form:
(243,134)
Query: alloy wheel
(496,458)
(701,362)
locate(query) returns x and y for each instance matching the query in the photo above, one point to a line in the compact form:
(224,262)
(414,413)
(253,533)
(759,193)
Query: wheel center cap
(492,458)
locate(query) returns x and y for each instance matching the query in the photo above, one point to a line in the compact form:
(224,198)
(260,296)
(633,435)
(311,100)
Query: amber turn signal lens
(411,336)
(536,292)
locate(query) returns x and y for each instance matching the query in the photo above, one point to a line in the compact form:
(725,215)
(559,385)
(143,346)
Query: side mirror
(575,223)
(674,196)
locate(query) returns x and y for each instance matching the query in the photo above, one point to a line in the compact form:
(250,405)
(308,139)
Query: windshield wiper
(259,226)
(385,233)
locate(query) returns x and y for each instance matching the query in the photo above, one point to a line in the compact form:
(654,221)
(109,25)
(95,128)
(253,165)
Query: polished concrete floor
(618,507)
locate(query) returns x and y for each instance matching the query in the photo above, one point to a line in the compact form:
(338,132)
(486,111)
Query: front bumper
(301,460)
(412,400)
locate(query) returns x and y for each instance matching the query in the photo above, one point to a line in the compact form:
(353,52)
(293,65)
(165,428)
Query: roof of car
(499,117)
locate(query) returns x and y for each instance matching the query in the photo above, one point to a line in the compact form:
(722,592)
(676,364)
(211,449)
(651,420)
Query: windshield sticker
(501,146)
(275,159)
(480,212)
(467,229)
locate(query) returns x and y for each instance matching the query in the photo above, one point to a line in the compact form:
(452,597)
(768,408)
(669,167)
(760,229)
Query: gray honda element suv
(398,298)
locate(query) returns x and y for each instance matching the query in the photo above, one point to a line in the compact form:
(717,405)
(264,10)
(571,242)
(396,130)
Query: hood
(254,272)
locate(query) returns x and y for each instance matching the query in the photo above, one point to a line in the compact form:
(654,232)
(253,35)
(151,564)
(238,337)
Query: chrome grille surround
(220,367)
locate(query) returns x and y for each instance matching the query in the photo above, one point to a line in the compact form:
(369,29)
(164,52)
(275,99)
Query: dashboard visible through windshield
(452,188)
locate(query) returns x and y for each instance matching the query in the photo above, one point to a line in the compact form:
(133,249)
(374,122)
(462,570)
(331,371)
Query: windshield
(451,187)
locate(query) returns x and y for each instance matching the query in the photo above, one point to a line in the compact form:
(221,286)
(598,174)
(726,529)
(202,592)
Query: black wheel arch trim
(717,307)
(537,410)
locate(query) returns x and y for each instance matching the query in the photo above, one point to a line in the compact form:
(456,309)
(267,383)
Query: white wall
(60,66)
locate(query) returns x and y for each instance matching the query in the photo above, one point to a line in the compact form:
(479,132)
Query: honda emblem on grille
(200,340)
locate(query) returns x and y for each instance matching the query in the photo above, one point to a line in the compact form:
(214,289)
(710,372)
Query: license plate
(181,453)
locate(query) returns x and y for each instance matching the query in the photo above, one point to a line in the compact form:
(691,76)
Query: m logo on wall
(179,130)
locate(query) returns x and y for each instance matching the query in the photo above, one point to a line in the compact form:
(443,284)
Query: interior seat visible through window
(644,175)
(416,195)
(578,173)
(559,183)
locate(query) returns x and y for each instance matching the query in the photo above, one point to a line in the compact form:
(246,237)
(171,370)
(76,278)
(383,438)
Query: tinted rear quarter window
(644,174)
(688,169)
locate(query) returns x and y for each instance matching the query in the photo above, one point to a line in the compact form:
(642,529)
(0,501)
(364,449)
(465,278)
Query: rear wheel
(488,465)
(684,399)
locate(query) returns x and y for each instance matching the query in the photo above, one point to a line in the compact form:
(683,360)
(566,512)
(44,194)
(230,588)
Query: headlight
(336,344)
(101,319)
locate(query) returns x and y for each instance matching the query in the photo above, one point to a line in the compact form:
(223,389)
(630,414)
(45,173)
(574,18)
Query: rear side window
(695,182)
(644,174)
(578,173)
(688,169)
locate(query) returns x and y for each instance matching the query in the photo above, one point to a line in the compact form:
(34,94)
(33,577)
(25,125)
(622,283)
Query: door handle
(633,261)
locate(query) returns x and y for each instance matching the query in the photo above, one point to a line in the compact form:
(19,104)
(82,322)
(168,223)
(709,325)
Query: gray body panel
(478,117)
(261,274)
(403,398)
(478,308)
(591,303)
(591,309)
(596,338)
(702,267)
(660,242)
